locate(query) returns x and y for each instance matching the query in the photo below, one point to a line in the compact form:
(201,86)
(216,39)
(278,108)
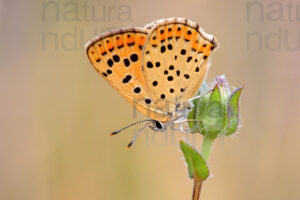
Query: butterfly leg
(186,120)
(190,101)
(181,122)
(181,128)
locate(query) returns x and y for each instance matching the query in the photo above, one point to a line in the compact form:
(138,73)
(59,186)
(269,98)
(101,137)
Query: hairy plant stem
(197,189)
(206,146)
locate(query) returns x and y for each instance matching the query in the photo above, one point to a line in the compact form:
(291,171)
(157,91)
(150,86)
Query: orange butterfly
(157,69)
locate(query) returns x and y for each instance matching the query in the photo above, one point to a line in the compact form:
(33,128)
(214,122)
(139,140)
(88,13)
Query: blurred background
(56,112)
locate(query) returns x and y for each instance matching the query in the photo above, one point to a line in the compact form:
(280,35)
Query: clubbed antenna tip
(129,145)
(114,133)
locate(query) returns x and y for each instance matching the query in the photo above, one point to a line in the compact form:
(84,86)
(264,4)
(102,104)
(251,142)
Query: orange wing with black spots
(117,57)
(175,61)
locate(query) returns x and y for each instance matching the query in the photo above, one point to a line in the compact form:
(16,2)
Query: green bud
(216,111)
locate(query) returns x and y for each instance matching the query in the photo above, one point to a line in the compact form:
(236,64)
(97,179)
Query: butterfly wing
(116,56)
(175,61)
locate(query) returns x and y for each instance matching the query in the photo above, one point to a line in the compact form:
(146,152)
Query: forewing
(117,57)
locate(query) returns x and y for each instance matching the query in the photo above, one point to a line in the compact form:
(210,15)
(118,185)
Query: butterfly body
(156,68)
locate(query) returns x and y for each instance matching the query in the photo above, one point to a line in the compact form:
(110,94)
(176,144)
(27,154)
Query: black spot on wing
(148,101)
(127,78)
(162,49)
(110,62)
(149,64)
(170,78)
(134,57)
(126,62)
(154,83)
(137,90)
(108,71)
(116,58)
(157,64)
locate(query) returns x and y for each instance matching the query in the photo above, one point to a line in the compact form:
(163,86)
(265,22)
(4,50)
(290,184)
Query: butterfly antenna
(138,133)
(130,125)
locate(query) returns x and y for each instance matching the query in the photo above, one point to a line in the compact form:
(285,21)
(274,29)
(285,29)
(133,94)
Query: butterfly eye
(158,125)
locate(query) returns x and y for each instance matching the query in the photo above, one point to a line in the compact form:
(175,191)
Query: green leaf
(196,164)
(233,111)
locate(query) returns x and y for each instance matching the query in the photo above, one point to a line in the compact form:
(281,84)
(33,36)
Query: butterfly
(157,69)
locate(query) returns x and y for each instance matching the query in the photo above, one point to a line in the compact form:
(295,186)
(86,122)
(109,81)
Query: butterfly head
(158,126)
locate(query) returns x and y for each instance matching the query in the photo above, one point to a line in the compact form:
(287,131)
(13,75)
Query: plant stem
(206,146)
(197,189)
(205,151)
